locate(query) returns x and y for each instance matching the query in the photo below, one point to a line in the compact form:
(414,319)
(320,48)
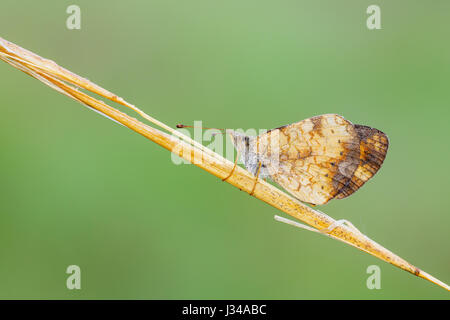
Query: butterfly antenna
(179,126)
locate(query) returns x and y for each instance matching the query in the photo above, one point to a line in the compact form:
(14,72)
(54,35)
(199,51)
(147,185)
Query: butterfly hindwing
(317,156)
(373,148)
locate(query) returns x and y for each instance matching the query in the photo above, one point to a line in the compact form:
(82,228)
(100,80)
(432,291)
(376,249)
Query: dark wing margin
(373,148)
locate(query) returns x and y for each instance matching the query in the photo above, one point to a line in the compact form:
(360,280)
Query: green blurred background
(79,189)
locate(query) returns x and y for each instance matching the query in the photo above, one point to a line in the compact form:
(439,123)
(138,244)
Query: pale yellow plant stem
(68,83)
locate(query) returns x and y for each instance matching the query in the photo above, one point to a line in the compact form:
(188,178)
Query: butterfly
(317,159)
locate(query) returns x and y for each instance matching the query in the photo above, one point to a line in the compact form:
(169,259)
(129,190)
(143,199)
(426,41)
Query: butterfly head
(241,142)
(245,146)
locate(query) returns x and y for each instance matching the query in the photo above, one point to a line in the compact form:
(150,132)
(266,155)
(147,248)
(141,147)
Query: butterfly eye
(247,142)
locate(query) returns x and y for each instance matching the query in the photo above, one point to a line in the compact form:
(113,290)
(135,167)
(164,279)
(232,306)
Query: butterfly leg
(234,167)
(256,179)
(338,223)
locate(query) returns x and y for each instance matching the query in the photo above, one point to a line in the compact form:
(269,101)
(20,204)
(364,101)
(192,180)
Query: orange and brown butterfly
(317,159)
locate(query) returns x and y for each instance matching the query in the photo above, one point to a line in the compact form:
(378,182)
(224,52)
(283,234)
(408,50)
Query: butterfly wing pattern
(321,158)
(373,148)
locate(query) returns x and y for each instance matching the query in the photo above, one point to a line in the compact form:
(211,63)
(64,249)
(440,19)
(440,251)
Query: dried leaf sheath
(65,82)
